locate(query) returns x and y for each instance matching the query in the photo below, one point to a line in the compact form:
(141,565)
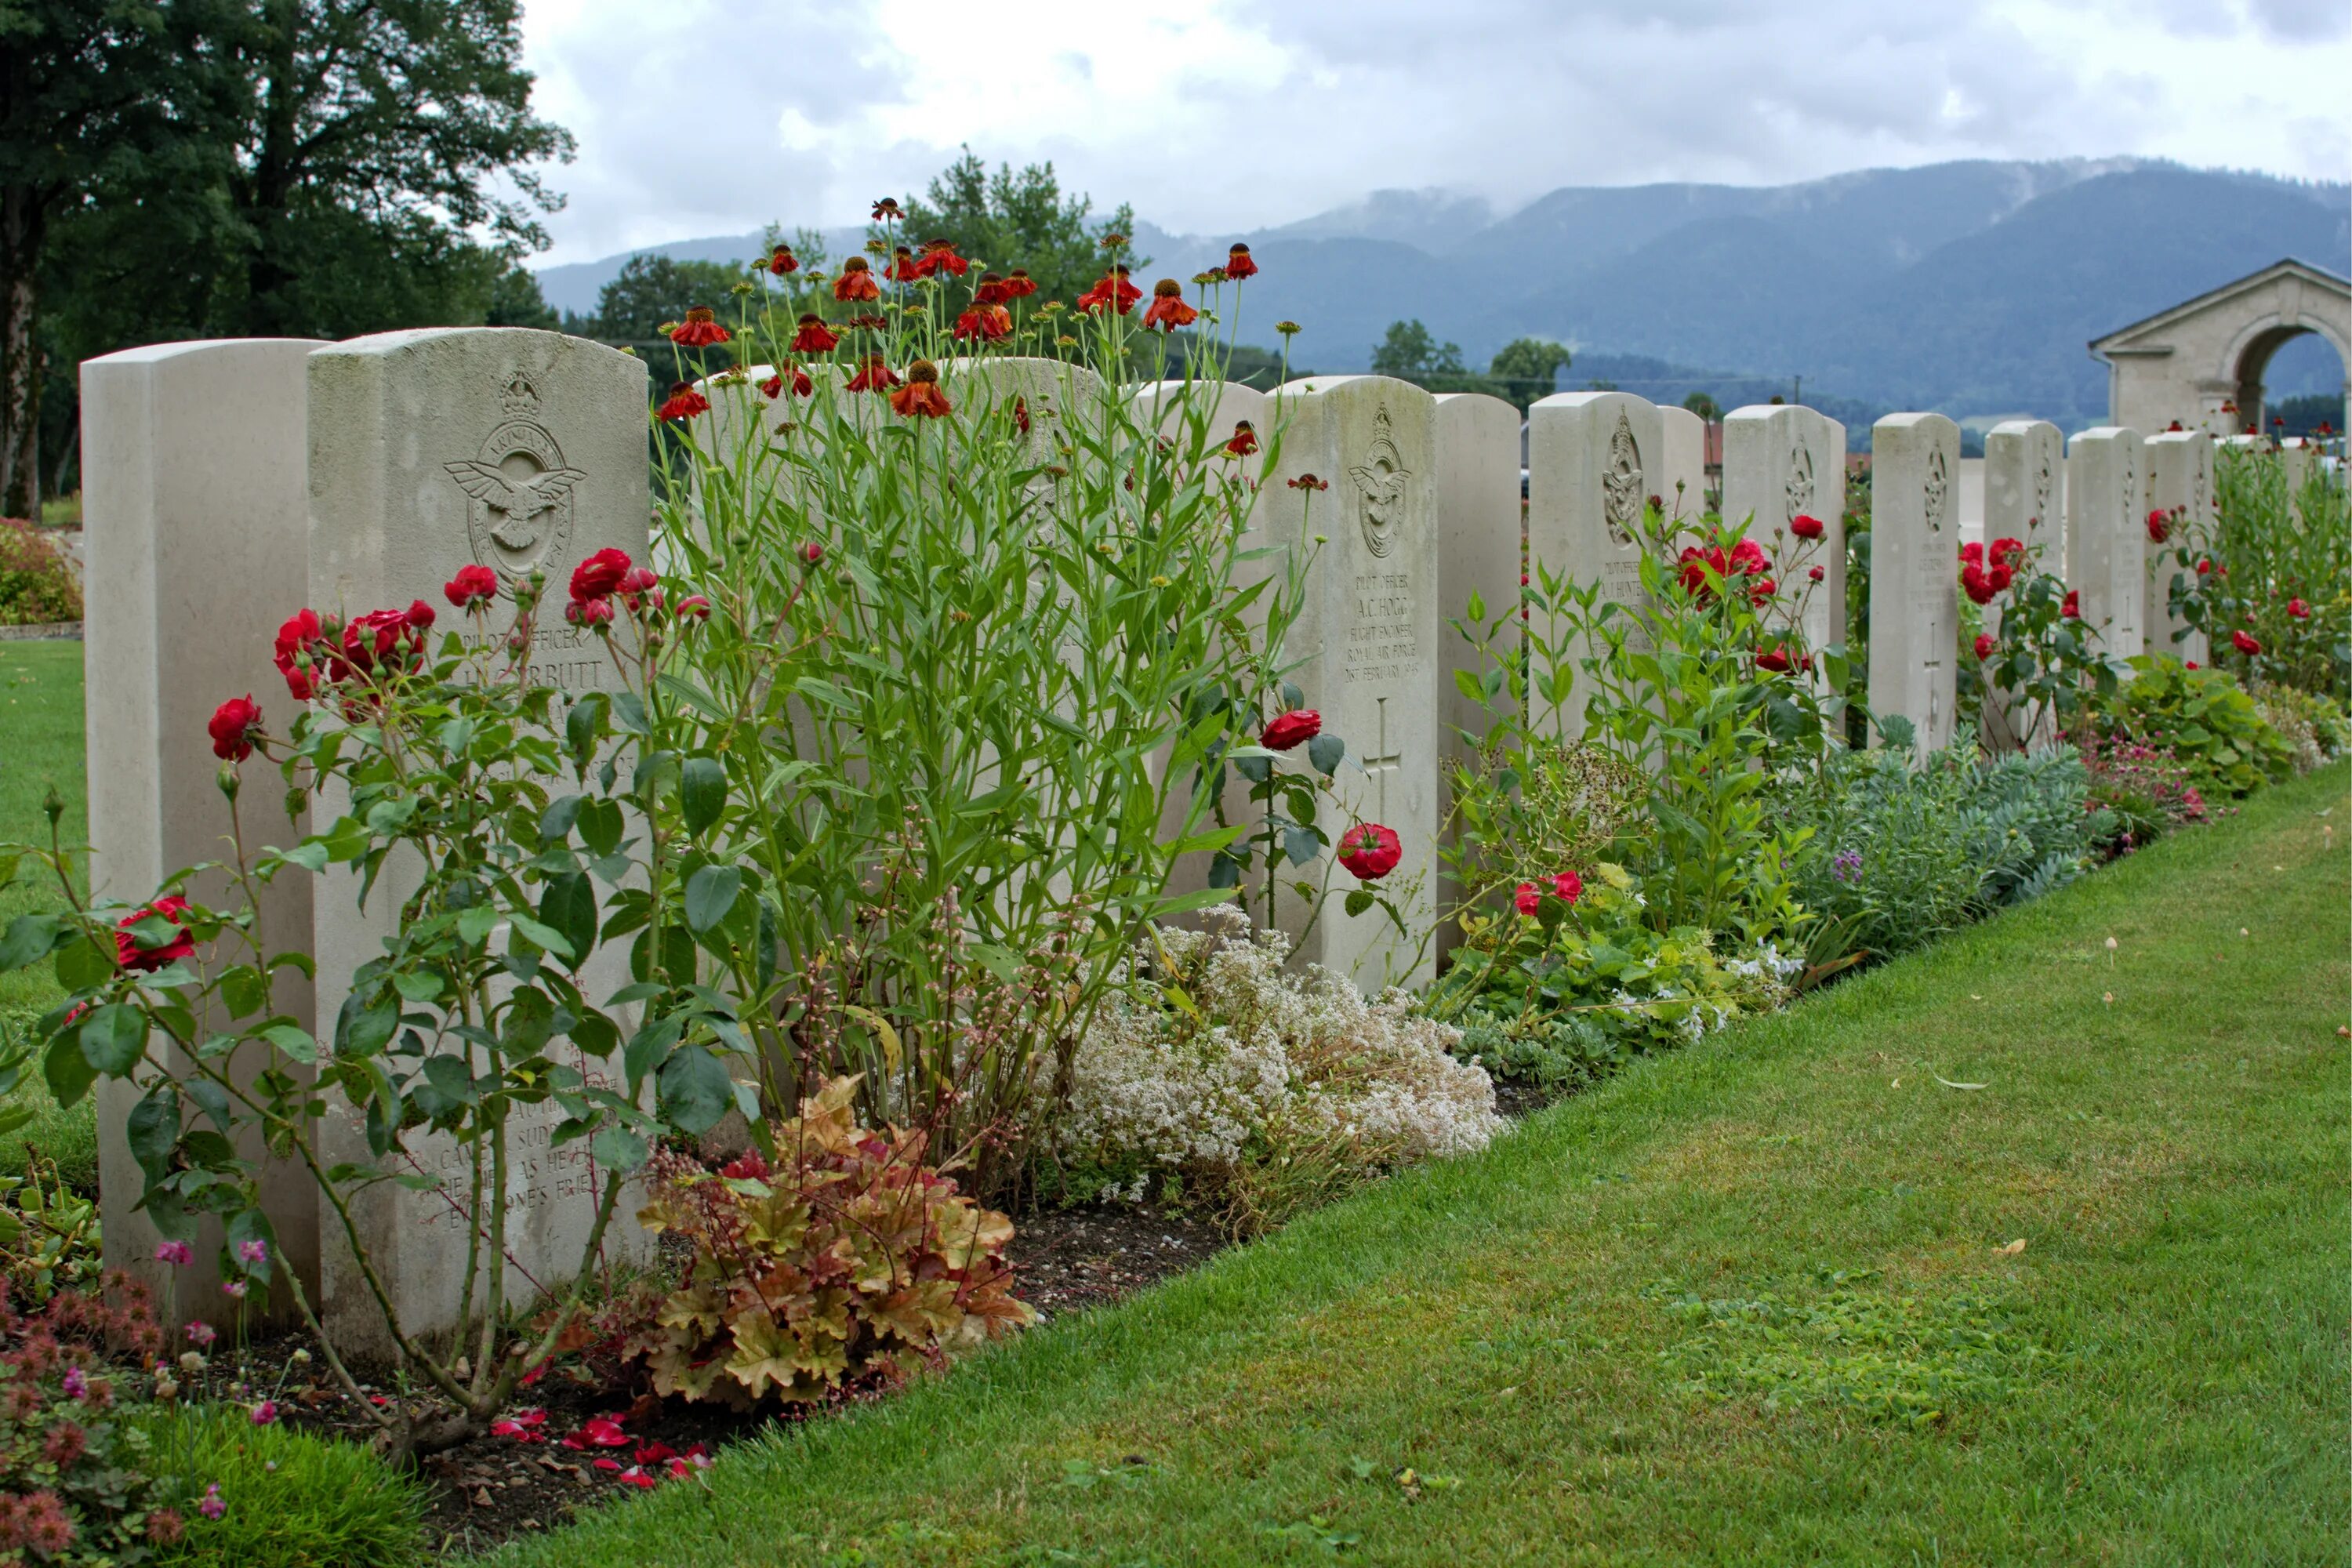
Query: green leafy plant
(2316,725)
(2263,575)
(2140,792)
(2205,719)
(37,583)
(845,1265)
(49,1231)
(2041,665)
(441,775)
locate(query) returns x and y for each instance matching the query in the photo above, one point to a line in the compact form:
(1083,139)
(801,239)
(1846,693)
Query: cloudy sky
(706,117)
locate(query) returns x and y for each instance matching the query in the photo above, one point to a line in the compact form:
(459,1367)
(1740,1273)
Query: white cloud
(699,118)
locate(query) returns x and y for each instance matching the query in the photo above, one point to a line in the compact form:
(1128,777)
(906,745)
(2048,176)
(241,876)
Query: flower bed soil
(494,1488)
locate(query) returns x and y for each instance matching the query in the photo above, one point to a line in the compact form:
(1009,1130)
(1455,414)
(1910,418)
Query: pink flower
(212,1507)
(177,1253)
(76,1383)
(265,1413)
(201,1334)
(235,1287)
(253,1254)
(598,1432)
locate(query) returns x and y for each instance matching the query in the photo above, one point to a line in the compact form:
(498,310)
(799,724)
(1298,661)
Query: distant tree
(1410,353)
(652,289)
(2304,415)
(1020,218)
(516,302)
(1599,386)
(1703,406)
(1528,368)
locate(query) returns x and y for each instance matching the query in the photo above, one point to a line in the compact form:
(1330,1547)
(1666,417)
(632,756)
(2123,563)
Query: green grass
(294,1500)
(1752,1302)
(41,745)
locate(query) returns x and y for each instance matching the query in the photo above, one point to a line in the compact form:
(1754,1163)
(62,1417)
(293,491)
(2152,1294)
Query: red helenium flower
(701,328)
(991,291)
(1167,311)
(939,256)
(683,403)
(235,722)
(1238,263)
(902,266)
(921,396)
(147,960)
(784,261)
(802,385)
(1018,284)
(1370,851)
(1111,290)
(1292,729)
(857,282)
(989,323)
(814,337)
(873,377)
(474,586)
(1244,441)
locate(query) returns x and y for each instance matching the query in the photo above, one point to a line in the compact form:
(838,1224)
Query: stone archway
(2202,362)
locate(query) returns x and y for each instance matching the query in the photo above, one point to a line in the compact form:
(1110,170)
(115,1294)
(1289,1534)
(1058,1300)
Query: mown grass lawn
(2157,1375)
(41,745)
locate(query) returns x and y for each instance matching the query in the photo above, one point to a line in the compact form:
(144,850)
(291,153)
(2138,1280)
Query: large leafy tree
(1020,218)
(314,168)
(1528,368)
(84,87)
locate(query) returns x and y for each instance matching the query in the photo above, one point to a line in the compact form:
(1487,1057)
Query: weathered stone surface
(2106,535)
(1594,459)
(2180,479)
(197,517)
(1368,639)
(1683,470)
(526,451)
(1781,462)
(1479,532)
(1914,573)
(2025,492)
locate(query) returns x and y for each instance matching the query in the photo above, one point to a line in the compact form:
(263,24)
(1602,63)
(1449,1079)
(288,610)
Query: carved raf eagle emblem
(1379,487)
(519,504)
(518,488)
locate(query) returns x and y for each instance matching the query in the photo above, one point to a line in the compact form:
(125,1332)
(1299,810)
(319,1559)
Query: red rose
(600,575)
(1807,527)
(473,587)
(1527,899)
(293,651)
(1370,851)
(695,605)
(1971,554)
(1568,886)
(2245,643)
(2159,526)
(379,636)
(2204,566)
(420,614)
(812,552)
(1985,645)
(1978,586)
(1815,574)
(233,727)
(2299,609)
(1775,659)
(2001,578)
(131,955)
(2073,608)
(1292,729)
(2007,552)
(594,614)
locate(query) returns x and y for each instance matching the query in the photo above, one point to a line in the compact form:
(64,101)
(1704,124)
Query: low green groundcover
(292,1500)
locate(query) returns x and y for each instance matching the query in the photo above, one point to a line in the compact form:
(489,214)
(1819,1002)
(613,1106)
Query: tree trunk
(270,280)
(21,212)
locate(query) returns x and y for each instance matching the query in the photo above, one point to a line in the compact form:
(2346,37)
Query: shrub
(49,1231)
(1257,1090)
(845,1265)
(2204,718)
(77,1485)
(2315,725)
(37,581)
(2269,566)
(288,1500)
(1576,984)
(2145,791)
(1901,851)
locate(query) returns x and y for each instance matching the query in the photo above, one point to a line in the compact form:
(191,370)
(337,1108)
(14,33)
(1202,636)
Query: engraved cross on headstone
(1381,764)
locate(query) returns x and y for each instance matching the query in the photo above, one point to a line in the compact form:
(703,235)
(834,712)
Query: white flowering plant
(1214,1072)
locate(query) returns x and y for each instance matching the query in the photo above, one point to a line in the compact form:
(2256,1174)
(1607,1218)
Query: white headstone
(1213,414)
(2106,535)
(1594,459)
(2180,471)
(395,420)
(197,518)
(1479,532)
(1683,475)
(1782,461)
(2024,479)
(1914,573)
(1369,635)
(2298,453)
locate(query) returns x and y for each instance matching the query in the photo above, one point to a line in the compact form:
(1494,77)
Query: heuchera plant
(516,834)
(843,1265)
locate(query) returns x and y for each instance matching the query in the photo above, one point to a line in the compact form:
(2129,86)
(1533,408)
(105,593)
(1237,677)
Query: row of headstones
(229,483)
